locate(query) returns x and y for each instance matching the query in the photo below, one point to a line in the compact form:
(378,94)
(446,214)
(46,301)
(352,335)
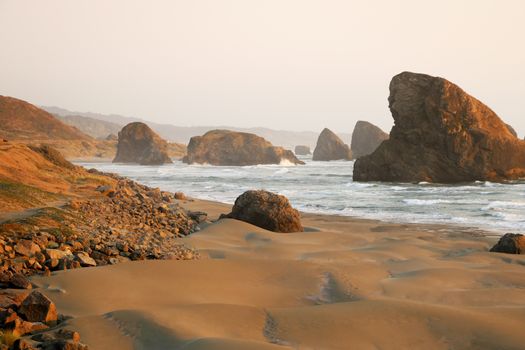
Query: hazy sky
(288,64)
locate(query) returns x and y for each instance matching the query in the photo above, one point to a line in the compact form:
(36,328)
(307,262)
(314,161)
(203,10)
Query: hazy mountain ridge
(93,127)
(182,134)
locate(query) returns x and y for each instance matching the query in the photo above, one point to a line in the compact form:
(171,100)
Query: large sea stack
(224,147)
(366,138)
(137,143)
(442,134)
(331,147)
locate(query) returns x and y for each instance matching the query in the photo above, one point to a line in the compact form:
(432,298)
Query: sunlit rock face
(441,134)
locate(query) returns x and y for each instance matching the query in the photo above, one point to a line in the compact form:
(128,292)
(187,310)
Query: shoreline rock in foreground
(366,138)
(137,143)
(442,134)
(267,210)
(510,243)
(331,147)
(224,147)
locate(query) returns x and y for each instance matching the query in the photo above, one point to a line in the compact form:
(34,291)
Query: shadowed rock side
(441,134)
(510,243)
(137,143)
(366,138)
(302,150)
(331,147)
(224,147)
(512,130)
(268,210)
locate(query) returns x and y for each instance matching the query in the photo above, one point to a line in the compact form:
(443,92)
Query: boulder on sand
(331,147)
(366,138)
(268,210)
(137,143)
(441,134)
(302,150)
(224,147)
(510,243)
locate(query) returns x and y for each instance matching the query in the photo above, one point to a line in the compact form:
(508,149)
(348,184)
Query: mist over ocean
(328,188)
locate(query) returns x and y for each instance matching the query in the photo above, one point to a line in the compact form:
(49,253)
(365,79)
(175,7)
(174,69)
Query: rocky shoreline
(124,221)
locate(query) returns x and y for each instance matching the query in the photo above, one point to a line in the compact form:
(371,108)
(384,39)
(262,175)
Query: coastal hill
(23,122)
(181,134)
(20,120)
(95,128)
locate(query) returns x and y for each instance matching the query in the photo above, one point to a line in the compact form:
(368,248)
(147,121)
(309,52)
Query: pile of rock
(32,321)
(127,222)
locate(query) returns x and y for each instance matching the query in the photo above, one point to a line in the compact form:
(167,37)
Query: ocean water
(327,187)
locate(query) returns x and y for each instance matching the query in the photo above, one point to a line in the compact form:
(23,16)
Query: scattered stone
(268,210)
(510,243)
(26,247)
(331,147)
(198,216)
(20,281)
(38,308)
(85,260)
(179,196)
(56,254)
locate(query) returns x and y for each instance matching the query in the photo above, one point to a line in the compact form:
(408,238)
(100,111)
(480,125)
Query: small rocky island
(331,147)
(442,134)
(137,143)
(366,138)
(224,147)
(302,150)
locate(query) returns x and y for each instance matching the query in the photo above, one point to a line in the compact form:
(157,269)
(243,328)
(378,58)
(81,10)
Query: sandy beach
(345,283)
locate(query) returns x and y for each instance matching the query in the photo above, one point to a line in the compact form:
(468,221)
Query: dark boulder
(441,134)
(366,138)
(137,143)
(224,147)
(302,150)
(268,210)
(38,308)
(331,147)
(510,243)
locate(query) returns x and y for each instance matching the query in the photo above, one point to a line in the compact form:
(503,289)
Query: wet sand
(344,284)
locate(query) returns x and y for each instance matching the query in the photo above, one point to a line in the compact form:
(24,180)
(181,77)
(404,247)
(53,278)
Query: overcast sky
(286,64)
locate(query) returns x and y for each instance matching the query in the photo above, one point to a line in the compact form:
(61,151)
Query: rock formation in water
(366,138)
(441,134)
(268,210)
(137,143)
(224,147)
(510,243)
(331,147)
(302,150)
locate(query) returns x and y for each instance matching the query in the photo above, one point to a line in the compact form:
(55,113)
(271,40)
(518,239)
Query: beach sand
(345,283)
